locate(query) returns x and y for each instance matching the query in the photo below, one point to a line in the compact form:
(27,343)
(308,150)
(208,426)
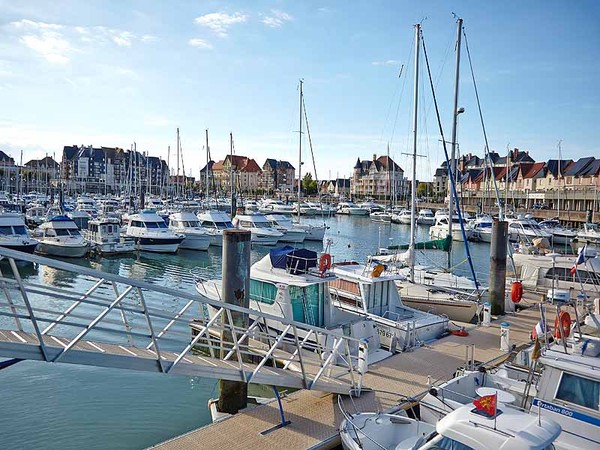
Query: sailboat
(431,290)
(313,232)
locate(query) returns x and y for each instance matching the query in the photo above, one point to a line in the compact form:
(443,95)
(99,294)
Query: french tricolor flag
(580,259)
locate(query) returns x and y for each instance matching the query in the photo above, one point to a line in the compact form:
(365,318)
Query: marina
(297,226)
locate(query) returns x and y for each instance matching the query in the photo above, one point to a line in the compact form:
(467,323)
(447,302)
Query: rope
(450,174)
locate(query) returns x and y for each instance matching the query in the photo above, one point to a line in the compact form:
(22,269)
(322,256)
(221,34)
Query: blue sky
(114,72)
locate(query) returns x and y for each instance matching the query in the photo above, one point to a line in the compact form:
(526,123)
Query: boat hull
(115,248)
(196,242)
(26,248)
(461,311)
(293,236)
(64,251)
(159,245)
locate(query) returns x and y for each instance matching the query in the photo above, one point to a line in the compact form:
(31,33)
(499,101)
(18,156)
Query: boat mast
(413,218)
(300,152)
(559,177)
(231,174)
(455,114)
(177,179)
(207,161)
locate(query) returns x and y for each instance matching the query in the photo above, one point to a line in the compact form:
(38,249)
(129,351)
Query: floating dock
(315,417)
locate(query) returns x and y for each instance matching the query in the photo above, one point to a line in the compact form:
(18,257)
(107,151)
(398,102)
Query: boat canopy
(294,260)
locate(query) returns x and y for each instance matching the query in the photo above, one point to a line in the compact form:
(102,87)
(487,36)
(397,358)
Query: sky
(111,73)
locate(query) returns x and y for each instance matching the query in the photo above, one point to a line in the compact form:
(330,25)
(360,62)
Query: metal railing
(109,320)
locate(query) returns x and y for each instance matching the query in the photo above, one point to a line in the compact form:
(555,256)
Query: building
(277,176)
(247,174)
(379,178)
(338,188)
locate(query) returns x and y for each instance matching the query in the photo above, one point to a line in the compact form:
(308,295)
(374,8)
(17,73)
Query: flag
(487,404)
(539,329)
(537,350)
(580,259)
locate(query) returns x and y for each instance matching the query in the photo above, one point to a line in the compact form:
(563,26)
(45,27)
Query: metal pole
(231,179)
(497,280)
(300,153)
(413,196)
(233,395)
(455,113)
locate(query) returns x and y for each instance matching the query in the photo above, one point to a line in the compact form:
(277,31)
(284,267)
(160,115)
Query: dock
(315,417)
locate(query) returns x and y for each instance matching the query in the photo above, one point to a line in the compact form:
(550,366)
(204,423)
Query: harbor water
(62,406)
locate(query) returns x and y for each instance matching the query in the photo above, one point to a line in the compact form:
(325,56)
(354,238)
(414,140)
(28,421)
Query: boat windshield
(5,230)
(155,225)
(190,223)
(262,225)
(223,225)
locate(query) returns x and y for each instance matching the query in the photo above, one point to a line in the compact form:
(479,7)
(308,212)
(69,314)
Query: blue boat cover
(278,256)
(297,260)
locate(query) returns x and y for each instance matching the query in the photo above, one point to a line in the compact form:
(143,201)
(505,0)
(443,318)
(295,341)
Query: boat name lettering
(565,412)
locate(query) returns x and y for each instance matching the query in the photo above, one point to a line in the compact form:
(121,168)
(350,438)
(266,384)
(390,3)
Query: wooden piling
(497,280)
(233,395)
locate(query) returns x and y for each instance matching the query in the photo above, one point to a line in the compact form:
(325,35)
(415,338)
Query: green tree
(422,190)
(309,186)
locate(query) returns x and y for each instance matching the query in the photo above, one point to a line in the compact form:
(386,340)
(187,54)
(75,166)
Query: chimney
(374,156)
(515,154)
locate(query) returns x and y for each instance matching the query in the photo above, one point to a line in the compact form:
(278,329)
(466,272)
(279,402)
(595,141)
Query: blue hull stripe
(566,412)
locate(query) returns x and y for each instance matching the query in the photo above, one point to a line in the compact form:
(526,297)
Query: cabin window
(445,443)
(307,304)
(161,225)
(109,228)
(137,223)
(579,391)
(74,232)
(564,274)
(151,224)
(245,224)
(6,231)
(262,292)
(20,229)
(62,232)
(50,233)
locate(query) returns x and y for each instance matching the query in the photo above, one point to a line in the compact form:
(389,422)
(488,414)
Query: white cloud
(219,23)
(57,43)
(51,45)
(200,43)
(276,19)
(389,62)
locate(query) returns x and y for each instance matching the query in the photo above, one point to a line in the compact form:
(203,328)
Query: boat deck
(315,417)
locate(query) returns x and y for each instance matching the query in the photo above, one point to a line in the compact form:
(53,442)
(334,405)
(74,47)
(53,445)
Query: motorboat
(306,209)
(154,204)
(560,234)
(104,236)
(441,227)
(80,217)
(369,290)
(35,215)
(370,206)
(151,233)
(187,224)
(425,217)
(323,209)
(351,209)
(380,216)
(14,234)
(288,283)
(272,206)
(526,229)
(60,236)
(553,274)
(215,221)
(261,228)
(562,385)
(403,217)
(465,428)
(291,232)
(251,206)
(481,229)
(590,232)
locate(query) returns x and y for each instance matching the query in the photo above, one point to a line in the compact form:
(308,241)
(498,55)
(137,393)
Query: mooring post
(498,266)
(233,395)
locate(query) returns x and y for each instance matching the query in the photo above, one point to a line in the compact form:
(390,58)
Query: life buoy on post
(325,262)
(565,320)
(516,291)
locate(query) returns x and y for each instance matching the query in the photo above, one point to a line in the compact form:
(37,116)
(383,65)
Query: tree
(309,186)
(422,190)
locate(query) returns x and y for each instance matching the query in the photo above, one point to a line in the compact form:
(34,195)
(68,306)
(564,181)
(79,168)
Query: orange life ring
(565,320)
(325,262)
(516,291)
(378,270)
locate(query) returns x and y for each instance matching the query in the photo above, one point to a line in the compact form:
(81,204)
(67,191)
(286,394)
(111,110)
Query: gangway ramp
(112,321)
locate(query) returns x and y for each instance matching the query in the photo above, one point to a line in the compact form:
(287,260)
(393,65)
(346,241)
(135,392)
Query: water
(62,406)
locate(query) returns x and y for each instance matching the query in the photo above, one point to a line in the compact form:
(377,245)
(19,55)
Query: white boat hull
(293,236)
(201,242)
(436,232)
(113,248)
(65,251)
(264,239)
(461,311)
